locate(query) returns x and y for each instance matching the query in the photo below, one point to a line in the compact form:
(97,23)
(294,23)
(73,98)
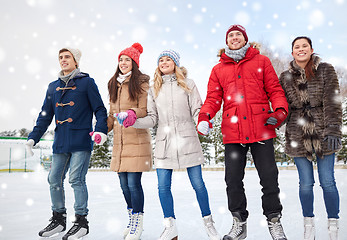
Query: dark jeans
(130,183)
(264,160)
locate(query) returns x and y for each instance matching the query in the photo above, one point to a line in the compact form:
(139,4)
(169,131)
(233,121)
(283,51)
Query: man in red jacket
(246,82)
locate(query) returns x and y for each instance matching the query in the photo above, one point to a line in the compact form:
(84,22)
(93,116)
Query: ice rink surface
(25,206)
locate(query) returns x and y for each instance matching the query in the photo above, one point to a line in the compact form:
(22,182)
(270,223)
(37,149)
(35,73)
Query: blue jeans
(165,195)
(325,168)
(130,182)
(78,163)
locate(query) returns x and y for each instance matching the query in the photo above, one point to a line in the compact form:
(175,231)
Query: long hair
(309,69)
(181,74)
(134,84)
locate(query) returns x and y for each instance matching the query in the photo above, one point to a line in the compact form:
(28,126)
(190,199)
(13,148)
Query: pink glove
(98,137)
(130,120)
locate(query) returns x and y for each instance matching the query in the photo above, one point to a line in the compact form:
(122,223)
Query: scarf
(122,77)
(238,54)
(169,77)
(68,77)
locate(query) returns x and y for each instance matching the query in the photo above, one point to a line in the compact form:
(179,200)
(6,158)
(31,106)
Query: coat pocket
(230,123)
(160,146)
(260,113)
(188,142)
(79,138)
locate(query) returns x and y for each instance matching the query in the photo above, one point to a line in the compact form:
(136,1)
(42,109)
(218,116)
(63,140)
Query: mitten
(98,137)
(276,118)
(29,147)
(131,119)
(121,117)
(333,142)
(204,127)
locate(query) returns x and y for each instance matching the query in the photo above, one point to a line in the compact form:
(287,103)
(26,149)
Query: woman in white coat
(173,105)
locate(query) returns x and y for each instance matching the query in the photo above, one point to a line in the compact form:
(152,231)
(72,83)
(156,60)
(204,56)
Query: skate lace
(134,225)
(308,231)
(166,232)
(276,230)
(236,230)
(131,218)
(52,225)
(211,228)
(74,229)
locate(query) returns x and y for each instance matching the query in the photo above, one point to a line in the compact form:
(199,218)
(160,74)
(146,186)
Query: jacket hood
(296,69)
(184,71)
(81,75)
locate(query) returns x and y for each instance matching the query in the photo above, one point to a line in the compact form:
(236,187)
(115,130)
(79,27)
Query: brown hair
(134,83)
(309,70)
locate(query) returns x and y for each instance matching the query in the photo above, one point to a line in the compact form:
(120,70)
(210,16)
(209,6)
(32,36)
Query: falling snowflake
(152,18)
(29,202)
(166,129)
(316,18)
(234,119)
(198,18)
(301,121)
(294,144)
(2,55)
(51,19)
(243,18)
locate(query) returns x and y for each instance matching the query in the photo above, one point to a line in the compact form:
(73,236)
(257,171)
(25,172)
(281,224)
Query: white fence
(13,156)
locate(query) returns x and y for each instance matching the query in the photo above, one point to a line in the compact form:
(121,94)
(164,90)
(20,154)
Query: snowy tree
(342,154)
(206,145)
(101,155)
(217,138)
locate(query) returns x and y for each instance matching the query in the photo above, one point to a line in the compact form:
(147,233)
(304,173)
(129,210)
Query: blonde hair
(181,74)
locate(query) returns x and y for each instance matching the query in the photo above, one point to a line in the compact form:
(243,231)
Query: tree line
(212,145)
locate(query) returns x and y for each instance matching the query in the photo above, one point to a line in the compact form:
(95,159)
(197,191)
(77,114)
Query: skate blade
(56,236)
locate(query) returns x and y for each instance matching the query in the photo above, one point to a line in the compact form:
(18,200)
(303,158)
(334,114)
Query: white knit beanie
(76,53)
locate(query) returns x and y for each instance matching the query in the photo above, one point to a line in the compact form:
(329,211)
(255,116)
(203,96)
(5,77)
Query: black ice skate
(57,224)
(79,229)
(239,229)
(275,227)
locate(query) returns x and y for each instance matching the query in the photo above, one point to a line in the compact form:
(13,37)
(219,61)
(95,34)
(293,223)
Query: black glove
(271,121)
(333,142)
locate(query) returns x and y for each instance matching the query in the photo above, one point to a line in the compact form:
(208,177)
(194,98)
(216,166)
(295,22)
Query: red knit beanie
(133,52)
(236,27)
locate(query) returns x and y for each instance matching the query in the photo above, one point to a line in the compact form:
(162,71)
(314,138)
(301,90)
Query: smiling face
(125,64)
(236,40)
(67,62)
(166,65)
(302,52)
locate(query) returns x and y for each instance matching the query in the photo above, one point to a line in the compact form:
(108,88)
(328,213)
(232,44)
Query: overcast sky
(32,32)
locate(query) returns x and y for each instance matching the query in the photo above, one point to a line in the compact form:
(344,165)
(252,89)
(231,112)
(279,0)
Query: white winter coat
(174,110)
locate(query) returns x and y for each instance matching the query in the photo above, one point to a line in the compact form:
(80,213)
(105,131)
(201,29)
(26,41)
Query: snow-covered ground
(25,206)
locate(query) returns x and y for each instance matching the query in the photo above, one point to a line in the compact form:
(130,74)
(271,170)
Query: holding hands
(204,127)
(127,119)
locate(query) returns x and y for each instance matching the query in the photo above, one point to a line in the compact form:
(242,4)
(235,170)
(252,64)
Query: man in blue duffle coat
(72,100)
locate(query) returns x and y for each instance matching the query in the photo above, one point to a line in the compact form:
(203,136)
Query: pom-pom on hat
(236,27)
(76,53)
(133,52)
(172,54)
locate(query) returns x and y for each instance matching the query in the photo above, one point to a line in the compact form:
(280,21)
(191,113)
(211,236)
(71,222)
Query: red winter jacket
(246,87)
